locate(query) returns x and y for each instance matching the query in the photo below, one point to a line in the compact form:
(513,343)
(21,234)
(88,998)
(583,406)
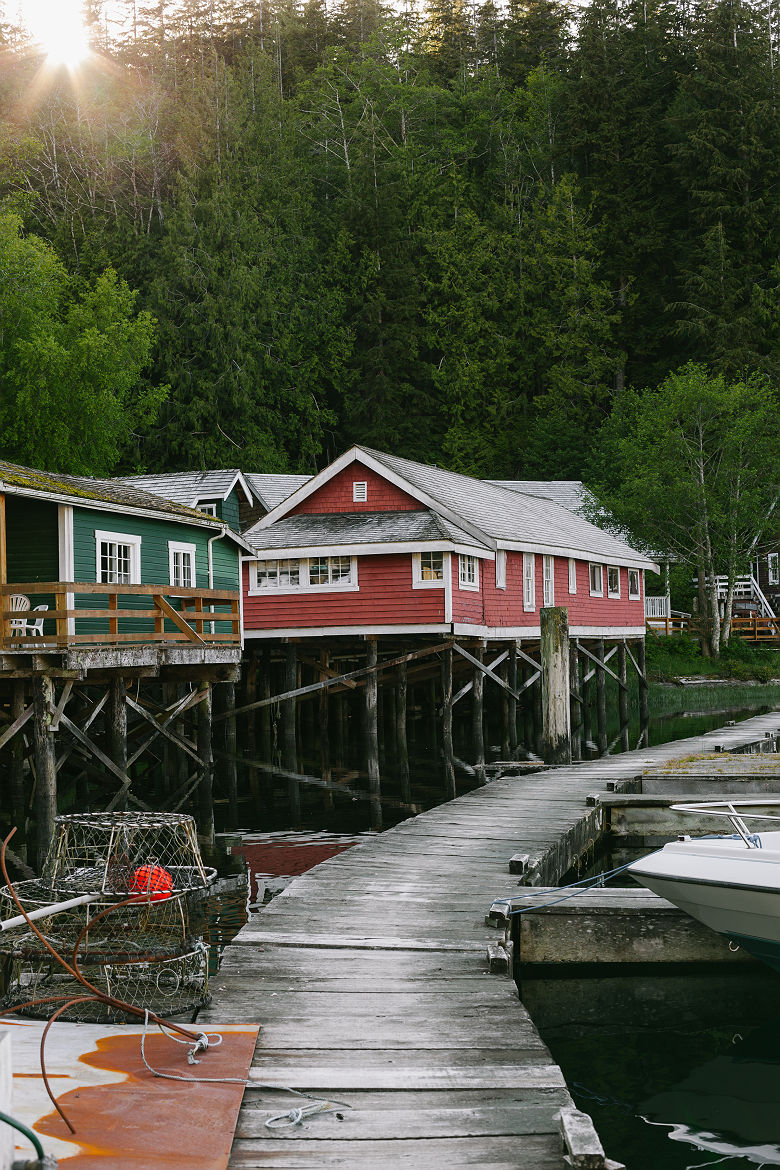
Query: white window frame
(188,550)
(635,594)
(500,568)
(348,584)
(209,509)
(360,491)
(599,590)
(468,572)
(610,591)
(572,575)
(134,545)
(420,582)
(548,580)
(529,582)
(773,568)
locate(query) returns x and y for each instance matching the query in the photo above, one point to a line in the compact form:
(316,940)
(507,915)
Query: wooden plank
(167,609)
(535,1152)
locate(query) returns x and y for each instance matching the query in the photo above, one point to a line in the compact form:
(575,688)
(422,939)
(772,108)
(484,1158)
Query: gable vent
(359,492)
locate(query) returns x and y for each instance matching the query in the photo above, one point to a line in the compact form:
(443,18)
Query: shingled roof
(190,487)
(273,489)
(303,535)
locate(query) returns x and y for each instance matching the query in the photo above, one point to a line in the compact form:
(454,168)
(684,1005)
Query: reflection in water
(677,1071)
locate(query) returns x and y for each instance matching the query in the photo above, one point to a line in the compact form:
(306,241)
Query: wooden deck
(370,981)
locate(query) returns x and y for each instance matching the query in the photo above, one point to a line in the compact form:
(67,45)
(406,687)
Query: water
(676,1071)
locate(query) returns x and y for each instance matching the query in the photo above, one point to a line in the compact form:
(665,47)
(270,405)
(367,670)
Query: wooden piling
(449,750)
(117,732)
(601,700)
(250,727)
(575,701)
(556,725)
(289,742)
(372,736)
(623,697)
(644,707)
(17,792)
(478,714)
(324,732)
(401,743)
(266,737)
(230,764)
(45,766)
(512,701)
(206,755)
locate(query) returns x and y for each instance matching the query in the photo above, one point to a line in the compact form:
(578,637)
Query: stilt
(575,703)
(601,700)
(586,690)
(45,766)
(644,706)
(623,697)
(505,749)
(556,726)
(17,793)
(206,754)
(449,751)
(117,731)
(266,737)
(228,691)
(529,703)
(401,745)
(512,679)
(324,732)
(372,738)
(478,715)
(289,744)
(250,696)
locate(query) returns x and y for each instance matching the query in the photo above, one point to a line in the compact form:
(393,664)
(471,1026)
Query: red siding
(467,605)
(385,597)
(336,495)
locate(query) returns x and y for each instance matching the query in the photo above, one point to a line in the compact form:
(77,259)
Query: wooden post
(324,732)
(505,718)
(556,725)
(206,754)
(575,705)
(644,707)
(289,745)
(228,694)
(117,730)
(372,737)
(45,766)
(512,679)
(478,714)
(586,690)
(623,697)
(601,700)
(529,704)
(250,696)
(401,744)
(266,739)
(18,801)
(449,750)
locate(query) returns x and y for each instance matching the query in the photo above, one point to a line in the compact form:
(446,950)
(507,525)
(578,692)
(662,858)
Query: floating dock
(370,979)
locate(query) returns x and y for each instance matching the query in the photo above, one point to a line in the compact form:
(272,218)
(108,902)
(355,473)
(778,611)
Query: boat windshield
(737,812)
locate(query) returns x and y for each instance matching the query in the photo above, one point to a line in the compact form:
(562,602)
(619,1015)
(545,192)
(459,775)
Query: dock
(371,982)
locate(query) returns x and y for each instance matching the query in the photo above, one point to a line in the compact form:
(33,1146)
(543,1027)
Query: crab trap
(121,900)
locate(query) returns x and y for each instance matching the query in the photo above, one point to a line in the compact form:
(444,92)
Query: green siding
(229,511)
(32,541)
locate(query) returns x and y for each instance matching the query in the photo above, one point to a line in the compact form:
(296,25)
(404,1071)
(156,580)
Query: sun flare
(58,27)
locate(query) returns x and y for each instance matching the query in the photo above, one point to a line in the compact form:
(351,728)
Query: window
(359,492)
(500,568)
(468,573)
(548,580)
(572,575)
(613,581)
(596,578)
(289,576)
(773,568)
(209,509)
(529,581)
(634,582)
(181,559)
(118,558)
(427,569)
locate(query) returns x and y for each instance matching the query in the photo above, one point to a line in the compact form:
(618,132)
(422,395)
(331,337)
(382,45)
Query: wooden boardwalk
(369,978)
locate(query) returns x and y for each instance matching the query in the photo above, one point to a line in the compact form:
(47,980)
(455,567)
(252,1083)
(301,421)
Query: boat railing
(737,812)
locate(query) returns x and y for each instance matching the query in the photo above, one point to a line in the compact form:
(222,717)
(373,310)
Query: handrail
(729,809)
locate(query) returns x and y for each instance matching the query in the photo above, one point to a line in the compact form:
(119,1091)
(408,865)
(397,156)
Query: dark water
(677,1071)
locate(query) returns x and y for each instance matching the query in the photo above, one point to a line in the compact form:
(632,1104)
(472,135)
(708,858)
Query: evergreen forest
(248,233)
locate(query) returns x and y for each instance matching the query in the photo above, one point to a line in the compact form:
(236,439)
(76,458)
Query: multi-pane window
(596,578)
(468,573)
(572,575)
(613,581)
(529,581)
(548,580)
(634,580)
(431,566)
(319,572)
(182,564)
(773,568)
(118,558)
(278,574)
(330,571)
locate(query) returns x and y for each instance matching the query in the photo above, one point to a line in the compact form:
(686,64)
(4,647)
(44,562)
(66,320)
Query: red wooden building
(375,544)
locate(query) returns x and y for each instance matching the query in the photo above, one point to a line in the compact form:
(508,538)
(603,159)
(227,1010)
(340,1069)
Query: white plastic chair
(35,628)
(19,604)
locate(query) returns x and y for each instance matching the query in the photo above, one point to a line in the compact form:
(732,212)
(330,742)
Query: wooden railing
(81,614)
(752,629)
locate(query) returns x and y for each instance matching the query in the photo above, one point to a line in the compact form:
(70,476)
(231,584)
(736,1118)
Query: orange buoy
(150,882)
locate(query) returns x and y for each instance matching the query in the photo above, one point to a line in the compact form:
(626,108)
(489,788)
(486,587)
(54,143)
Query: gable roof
(273,489)
(190,487)
(102,494)
(495,516)
(307,534)
(569,493)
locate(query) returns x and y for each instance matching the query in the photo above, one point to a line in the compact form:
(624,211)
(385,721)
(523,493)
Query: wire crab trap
(121,898)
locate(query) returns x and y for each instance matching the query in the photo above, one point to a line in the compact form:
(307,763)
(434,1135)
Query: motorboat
(730,882)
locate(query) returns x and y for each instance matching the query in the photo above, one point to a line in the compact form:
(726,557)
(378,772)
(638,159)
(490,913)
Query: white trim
(178,546)
(304,588)
(338,631)
(299,551)
(67,568)
(209,509)
(526,632)
(359,491)
(595,592)
(612,592)
(572,575)
(462,629)
(466,561)
(635,596)
(773,568)
(448,572)
(420,582)
(580,554)
(548,580)
(501,568)
(134,544)
(529,582)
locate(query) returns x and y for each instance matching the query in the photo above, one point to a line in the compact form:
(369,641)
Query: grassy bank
(670,659)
